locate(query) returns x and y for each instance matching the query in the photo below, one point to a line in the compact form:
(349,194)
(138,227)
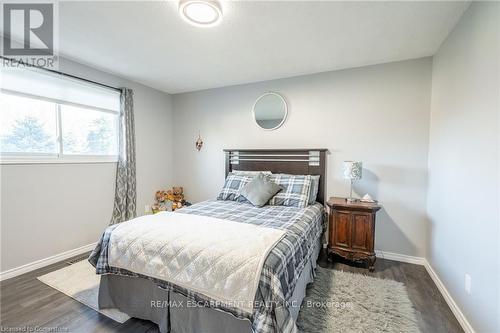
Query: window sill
(65,160)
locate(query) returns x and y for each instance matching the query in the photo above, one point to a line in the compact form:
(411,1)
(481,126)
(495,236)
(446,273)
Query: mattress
(173,313)
(280,271)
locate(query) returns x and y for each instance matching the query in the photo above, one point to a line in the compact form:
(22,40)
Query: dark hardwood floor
(26,302)
(434,315)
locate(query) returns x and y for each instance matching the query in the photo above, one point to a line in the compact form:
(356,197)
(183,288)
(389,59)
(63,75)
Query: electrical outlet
(468,283)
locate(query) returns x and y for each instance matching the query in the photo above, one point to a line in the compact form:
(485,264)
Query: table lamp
(353,170)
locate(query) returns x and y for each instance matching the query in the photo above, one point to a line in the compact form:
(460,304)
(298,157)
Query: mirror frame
(284,118)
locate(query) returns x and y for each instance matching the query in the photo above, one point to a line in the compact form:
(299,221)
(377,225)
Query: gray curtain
(125,191)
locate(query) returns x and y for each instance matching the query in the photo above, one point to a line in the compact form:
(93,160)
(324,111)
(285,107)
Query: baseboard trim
(13,272)
(449,300)
(400,257)
(467,327)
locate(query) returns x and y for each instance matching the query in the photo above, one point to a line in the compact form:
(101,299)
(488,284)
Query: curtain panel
(125,191)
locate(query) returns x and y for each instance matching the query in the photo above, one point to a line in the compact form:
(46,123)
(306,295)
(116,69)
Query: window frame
(59,157)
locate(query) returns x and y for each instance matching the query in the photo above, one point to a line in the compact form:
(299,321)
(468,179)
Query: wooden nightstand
(352,230)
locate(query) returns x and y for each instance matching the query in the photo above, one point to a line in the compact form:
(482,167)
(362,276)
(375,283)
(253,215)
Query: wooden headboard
(290,161)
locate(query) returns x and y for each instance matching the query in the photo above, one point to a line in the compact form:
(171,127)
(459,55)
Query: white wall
(464,165)
(377,114)
(47,209)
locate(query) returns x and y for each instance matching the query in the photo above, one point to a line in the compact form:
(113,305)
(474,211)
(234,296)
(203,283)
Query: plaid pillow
(232,186)
(296,190)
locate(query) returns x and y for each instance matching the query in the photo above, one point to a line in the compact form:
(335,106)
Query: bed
(136,281)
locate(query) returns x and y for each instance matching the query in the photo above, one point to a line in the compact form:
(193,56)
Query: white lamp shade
(353,170)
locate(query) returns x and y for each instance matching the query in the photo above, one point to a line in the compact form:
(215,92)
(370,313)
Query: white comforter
(218,258)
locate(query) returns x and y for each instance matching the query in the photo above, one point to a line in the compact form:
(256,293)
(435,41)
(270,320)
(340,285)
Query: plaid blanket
(282,267)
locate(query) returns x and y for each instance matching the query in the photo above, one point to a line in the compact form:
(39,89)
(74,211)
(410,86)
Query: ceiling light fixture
(201,13)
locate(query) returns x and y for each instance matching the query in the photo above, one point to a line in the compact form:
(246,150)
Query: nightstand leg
(371,263)
(329,255)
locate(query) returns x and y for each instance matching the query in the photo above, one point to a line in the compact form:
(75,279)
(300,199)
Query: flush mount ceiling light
(201,13)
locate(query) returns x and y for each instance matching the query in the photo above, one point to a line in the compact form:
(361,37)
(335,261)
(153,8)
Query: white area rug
(80,282)
(342,302)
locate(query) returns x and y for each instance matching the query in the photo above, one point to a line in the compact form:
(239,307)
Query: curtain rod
(67,75)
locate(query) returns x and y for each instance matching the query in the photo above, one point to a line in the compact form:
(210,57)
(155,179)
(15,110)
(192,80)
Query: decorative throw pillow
(232,186)
(295,190)
(313,193)
(260,190)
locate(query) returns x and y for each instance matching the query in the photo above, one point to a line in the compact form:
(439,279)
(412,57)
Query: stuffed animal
(163,199)
(160,204)
(160,196)
(178,197)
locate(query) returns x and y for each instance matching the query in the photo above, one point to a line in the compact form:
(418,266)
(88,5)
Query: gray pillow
(260,190)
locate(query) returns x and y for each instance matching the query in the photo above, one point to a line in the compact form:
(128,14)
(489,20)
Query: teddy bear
(160,202)
(177,195)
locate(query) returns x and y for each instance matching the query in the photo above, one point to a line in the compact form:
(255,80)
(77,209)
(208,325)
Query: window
(28,126)
(74,125)
(88,132)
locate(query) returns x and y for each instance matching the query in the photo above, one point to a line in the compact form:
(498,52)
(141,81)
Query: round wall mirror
(270,111)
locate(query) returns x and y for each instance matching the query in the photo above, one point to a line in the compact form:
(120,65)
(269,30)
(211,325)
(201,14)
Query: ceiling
(149,43)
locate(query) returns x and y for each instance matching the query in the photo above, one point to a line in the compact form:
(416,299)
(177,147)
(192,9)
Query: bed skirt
(174,313)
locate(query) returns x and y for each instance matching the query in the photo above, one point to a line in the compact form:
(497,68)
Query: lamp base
(351,199)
